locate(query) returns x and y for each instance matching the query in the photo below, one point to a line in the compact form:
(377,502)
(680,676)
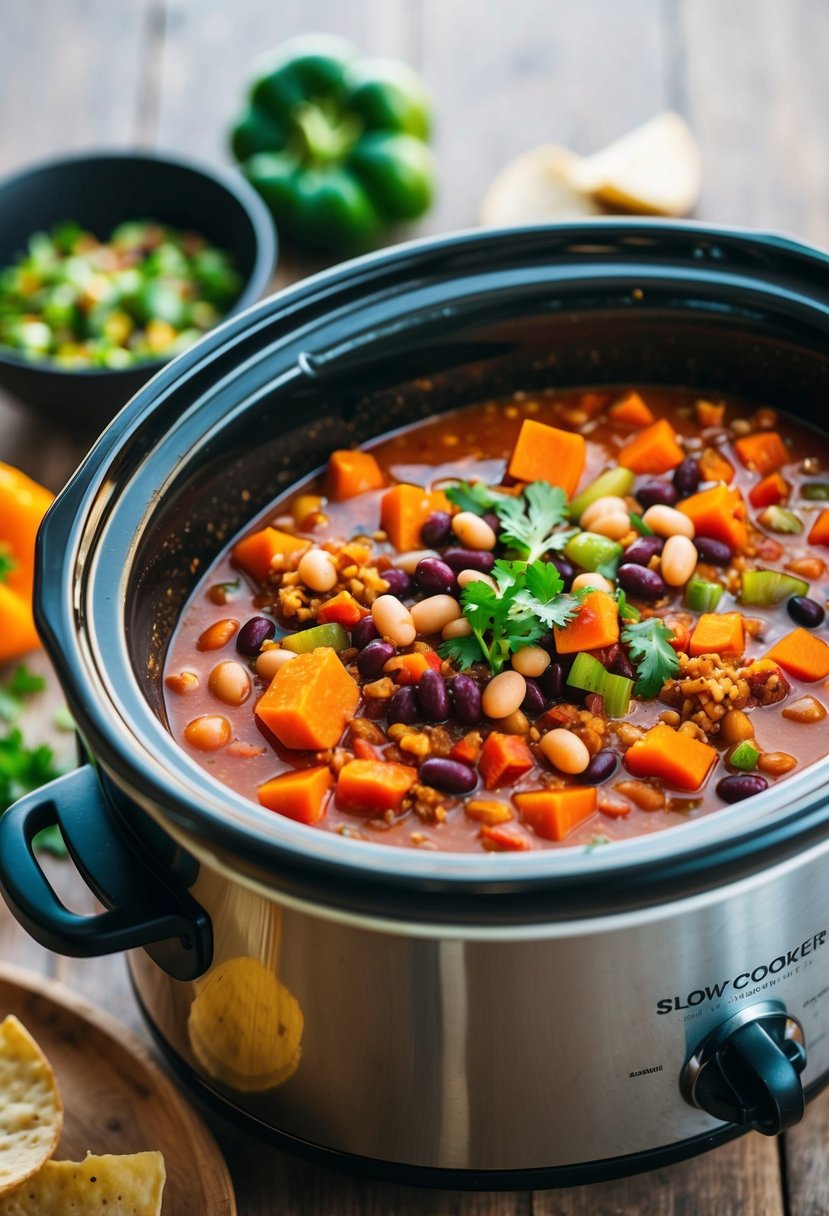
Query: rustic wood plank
(805,1157)
(755,81)
(743,1176)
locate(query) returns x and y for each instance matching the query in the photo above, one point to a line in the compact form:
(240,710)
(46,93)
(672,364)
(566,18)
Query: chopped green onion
(766,587)
(745,756)
(594,553)
(588,674)
(703,596)
(779,519)
(331,634)
(639,525)
(615,482)
(815,491)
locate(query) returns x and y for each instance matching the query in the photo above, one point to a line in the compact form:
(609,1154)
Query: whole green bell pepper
(336,144)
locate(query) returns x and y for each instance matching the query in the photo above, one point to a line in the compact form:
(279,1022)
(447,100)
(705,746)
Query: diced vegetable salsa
(581,617)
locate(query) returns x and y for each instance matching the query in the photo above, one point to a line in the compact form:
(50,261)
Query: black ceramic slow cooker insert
(466,1020)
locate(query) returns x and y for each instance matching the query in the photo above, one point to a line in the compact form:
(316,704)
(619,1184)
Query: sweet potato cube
(631,410)
(654,450)
(719,513)
(819,534)
(719,633)
(301,795)
(801,655)
(351,473)
(546,453)
(256,552)
(596,624)
(405,509)
(503,758)
(370,787)
(764,451)
(310,700)
(671,755)
(554,814)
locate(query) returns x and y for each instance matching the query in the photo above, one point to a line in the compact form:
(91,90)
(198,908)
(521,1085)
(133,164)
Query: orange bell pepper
(23,503)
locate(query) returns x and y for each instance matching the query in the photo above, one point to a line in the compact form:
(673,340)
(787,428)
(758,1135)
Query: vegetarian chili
(562,618)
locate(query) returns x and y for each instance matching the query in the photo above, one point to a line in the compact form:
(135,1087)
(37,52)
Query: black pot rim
(321,865)
(233,183)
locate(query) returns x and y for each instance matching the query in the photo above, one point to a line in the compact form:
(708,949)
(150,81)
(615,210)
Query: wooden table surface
(751,78)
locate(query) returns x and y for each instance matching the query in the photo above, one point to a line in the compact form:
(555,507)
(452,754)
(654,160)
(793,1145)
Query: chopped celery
(815,491)
(639,525)
(779,519)
(588,674)
(332,635)
(767,587)
(703,596)
(594,553)
(614,482)
(745,756)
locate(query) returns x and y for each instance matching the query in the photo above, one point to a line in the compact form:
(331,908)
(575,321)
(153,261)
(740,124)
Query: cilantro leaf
(542,596)
(559,611)
(50,840)
(656,660)
(472,496)
(532,531)
(7,563)
(543,581)
(22,683)
(23,769)
(463,651)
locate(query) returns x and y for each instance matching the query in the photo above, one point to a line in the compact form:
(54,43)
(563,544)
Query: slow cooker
(459,1020)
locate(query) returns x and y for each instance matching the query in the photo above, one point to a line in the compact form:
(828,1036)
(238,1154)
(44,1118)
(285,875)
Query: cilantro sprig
(7,563)
(473,496)
(526,601)
(529,522)
(656,660)
(24,768)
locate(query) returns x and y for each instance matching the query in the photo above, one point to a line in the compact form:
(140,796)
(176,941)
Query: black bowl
(100,190)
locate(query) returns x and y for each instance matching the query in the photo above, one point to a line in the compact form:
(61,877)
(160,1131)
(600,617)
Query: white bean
(614,524)
(667,521)
(472,531)
(393,620)
(602,506)
(317,570)
(433,614)
(476,576)
(565,751)
(504,694)
(531,660)
(597,581)
(679,560)
(410,561)
(270,661)
(229,682)
(459,628)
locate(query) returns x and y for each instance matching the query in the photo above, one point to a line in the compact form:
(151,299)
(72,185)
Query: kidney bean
(253,633)
(466,697)
(806,612)
(687,476)
(551,682)
(494,522)
(636,580)
(534,701)
(403,706)
(657,494)
(373,657)
(621,666)
(643,549)
(739,786)
(450,776)
(432,696)
(434,575)
(364,631)
(715,552)
(469,559)
(437,530)
(601,766)
(566,569)
(398,581)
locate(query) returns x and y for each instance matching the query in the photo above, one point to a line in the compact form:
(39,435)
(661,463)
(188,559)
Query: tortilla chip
(31,1112)
(130,1185)
(245,1026)
(535,188)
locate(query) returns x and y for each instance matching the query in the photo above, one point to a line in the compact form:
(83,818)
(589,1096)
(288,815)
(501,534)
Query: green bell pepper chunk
(335,144)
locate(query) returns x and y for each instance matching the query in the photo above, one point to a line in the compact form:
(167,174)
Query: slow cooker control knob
(747,1070)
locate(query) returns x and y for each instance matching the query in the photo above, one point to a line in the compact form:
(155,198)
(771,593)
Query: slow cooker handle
(142,908)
